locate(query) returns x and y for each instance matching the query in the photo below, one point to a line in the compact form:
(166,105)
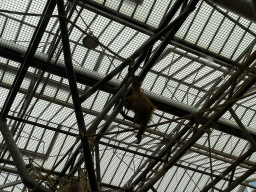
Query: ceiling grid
(210,47)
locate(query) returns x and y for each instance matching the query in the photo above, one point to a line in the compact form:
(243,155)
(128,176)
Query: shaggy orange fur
(140,105)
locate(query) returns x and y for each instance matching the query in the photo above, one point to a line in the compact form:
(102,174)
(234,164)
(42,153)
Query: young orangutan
(140,105)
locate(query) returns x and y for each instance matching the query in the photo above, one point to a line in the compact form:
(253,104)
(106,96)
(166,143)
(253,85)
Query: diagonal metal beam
(170,14)
(242,127)
(15,153)
(35,40)
(18,160)
(241,179)
(246,85)
(228,170)
(151,62)
(139,51)
(89,78)
(75,96)
(146,29)
(199,133)
(176,24)
(10,184)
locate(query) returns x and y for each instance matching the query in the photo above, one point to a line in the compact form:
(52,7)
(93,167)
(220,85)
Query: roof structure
(65,70)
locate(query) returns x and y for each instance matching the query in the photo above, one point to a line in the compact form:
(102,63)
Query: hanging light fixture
(90,41)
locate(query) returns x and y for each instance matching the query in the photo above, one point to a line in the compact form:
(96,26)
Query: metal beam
(228,170)
(106,109)
(240,7)
(117,147)
(35,40)
(18,160)
(245,86)
(10,184)
(90,78)
(168,17)
(103,81)
(146,29)
(247,163)
(97,159)
(239,180)
(14,171)
(75,96)
(150,42)
(176,24)
(244,130)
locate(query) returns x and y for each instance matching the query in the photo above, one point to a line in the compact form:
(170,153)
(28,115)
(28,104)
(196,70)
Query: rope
(210,156)
(130,62)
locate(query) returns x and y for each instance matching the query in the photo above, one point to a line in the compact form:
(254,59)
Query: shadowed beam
(75,96)
(137,53)
(242,90)
(18,160)
(228,170)
(35,40)
(183,15)
(241,179)
(242,127)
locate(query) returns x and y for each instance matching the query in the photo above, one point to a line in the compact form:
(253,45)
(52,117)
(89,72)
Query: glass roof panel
(194,66)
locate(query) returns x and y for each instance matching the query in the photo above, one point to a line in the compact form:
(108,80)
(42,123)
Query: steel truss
(201,131)
(167,157)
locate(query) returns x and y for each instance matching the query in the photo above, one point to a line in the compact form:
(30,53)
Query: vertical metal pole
(75,96)
(97,158)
